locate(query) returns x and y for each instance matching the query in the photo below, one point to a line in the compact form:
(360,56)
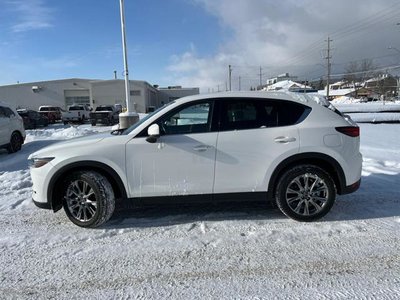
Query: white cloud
(287,36)
(31,15)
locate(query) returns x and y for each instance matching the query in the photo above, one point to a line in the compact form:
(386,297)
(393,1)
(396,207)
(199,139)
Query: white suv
(294,149)
(12,132)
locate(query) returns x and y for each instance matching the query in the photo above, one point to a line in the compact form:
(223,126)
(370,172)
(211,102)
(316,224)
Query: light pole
(129,117)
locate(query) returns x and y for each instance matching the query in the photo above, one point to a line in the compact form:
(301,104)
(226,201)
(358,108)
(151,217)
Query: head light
(38,162)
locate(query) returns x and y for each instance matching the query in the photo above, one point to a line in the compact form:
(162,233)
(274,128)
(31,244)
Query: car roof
(277,95)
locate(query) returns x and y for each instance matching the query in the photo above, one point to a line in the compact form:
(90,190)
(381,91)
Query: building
(168,94)
(144,96)
(384,85)
(281,77)
(289,85)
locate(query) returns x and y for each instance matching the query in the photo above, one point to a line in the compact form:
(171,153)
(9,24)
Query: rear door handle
(284,139)
(201,148)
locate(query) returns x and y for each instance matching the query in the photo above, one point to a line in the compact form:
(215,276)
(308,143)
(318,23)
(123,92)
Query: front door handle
(201,148)
(284,139)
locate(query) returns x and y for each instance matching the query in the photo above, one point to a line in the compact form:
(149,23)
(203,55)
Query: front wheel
(88,199)
(305,193)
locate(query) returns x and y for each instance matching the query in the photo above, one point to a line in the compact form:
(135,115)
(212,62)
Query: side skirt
(204,198)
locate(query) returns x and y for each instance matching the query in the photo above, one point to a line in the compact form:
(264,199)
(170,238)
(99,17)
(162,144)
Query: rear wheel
(15,143)
(88,199)
(305,193)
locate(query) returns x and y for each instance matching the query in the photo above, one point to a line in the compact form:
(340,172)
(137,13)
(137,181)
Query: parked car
(105,114)
(76,113)
(12,133)
(53,113)
(294,149)
(32,119)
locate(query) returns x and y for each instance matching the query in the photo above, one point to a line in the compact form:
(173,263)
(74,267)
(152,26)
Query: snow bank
(371,112)
(63,132)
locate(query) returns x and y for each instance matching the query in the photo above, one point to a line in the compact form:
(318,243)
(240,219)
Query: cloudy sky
(192,42)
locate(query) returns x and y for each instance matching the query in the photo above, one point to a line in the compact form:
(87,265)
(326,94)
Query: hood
(69,144)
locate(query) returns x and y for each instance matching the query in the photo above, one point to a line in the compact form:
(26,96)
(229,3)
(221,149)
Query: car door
(250,141)
(181,161)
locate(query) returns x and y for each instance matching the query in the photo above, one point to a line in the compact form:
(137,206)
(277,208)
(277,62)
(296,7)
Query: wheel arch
(321,160)
(55,186)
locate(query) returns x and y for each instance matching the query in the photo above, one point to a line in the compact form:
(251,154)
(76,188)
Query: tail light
(353,131)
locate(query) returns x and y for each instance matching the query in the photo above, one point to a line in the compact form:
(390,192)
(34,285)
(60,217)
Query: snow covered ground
(203,252)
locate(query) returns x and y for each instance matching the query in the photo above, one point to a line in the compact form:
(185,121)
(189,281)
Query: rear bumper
(44,205)
(351,188)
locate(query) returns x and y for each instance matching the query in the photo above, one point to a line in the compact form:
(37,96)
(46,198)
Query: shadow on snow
(376,198)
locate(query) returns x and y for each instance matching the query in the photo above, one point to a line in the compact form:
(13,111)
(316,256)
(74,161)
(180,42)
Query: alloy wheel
(307,194)
(81,200)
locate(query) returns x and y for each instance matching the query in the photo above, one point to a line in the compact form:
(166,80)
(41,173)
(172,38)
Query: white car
(294,149)
(12,132)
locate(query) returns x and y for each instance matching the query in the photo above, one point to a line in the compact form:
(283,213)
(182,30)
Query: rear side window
(248,113)
(7,112)
(2,113)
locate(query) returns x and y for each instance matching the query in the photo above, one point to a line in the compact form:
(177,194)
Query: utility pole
(260,77)
(240,83)
(230,78)
(328,59)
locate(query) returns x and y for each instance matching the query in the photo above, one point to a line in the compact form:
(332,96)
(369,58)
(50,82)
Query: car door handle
(284,139)
(201,148)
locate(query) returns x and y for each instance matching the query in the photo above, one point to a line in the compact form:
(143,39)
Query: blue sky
(192,42)
(43,40)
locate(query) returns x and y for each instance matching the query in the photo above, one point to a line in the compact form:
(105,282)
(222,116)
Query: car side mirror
(154,133)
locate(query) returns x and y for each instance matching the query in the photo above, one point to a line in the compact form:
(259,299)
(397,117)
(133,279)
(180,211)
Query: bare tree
(360,70)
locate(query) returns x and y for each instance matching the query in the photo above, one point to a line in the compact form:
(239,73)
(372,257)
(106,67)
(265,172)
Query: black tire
(93,123)
(82,120)
(88,199)
(15,142)
(65,122)
(305,193)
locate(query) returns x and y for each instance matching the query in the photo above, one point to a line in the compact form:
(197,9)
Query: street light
(129,117)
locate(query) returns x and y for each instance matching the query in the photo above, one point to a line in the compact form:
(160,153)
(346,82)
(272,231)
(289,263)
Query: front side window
(194,118)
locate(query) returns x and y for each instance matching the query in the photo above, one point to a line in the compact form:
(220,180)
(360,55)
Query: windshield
(76,108)
(104,108)
(134,126)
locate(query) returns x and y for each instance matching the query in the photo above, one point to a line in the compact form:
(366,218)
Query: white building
(281,77)
(288,85)
(62,93)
